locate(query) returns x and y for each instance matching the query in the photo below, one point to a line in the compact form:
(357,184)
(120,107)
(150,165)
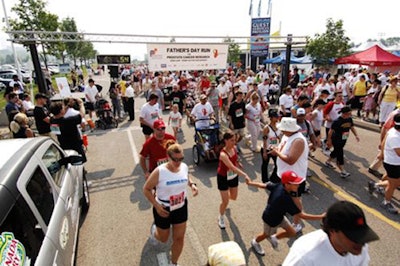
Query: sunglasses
(177,159)
(160,129)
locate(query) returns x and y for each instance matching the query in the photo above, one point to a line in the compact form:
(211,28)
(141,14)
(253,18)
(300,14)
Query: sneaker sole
(255,250)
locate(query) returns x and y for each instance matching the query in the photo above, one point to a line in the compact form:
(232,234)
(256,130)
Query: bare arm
(152,182)
(144,167)
(307,216)
(224,158)
(294,153)
(353,129)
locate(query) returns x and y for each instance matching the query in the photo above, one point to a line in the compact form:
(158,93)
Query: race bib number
(239,112)
(161,161)
(55,128)
(176,201)
(176,100)
(230,175)
(273,141)
(345,135)
(257,119)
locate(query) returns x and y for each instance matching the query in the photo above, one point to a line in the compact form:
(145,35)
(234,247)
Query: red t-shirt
(154,150)
(222,168)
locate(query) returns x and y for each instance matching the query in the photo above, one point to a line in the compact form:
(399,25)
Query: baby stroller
(207,142)
(105,116)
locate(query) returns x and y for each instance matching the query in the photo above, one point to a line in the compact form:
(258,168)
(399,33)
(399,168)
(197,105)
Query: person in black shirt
(177,97)
(41,114)
(236,113)
(280,202)
(66,129)
(337,137)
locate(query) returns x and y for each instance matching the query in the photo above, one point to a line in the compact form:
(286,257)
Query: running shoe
(327,152)
(329,164)
(344,174)
(389,207)
(274,242)
(221,222)
(297,227)
(371,187)
(153,239)
(257,247)
(380,190)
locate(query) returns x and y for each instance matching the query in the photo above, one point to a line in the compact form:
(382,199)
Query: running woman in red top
(227,175)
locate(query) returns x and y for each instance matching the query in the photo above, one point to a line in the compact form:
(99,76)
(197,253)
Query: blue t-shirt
(279,203)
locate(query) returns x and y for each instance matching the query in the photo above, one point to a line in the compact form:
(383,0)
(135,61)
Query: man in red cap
(154,148)
(341,241)
(280,202)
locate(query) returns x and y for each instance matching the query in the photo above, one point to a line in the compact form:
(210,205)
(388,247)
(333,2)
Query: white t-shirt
(243,86)
(315,249)
(301,165)
(175,117)
(263,89)
(28,105)
(392,142)
(318,120)
(201,111)
(223,90)
(334,114)
(150,113)
(91,93)
(286,101)
(341,86)
(253,113)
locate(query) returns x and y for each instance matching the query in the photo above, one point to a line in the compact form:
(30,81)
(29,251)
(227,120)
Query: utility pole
(12,43)
(285,76)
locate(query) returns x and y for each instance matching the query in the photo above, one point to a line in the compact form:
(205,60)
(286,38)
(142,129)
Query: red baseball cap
(290,177)
(158,124)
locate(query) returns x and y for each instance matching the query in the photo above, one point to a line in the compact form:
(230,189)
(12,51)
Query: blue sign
(260,31)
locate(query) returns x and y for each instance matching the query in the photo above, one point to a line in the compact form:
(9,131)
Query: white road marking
(194,239)
(133,147)
(162,259)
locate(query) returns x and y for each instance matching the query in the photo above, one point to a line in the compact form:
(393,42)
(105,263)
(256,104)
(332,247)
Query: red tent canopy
(374,56)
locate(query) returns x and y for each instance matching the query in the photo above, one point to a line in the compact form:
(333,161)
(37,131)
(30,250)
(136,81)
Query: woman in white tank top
(169,202)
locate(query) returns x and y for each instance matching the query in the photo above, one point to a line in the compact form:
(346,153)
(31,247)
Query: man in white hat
(292,155)
(203,112)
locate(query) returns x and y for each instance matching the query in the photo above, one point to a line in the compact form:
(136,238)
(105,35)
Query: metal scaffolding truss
(39,37)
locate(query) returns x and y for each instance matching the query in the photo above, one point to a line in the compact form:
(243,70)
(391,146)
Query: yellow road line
(359,203)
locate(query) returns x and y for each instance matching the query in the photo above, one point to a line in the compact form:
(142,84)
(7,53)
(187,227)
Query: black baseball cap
(345,109)
(273,113)
(350,219)
(41,96)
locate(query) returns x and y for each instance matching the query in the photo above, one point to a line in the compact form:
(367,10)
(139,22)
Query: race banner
(170,57)
(260,30)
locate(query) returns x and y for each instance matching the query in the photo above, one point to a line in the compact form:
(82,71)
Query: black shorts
(225,184)
(225,101)
(147,130)
(393,171)
(175,217)
(89,106)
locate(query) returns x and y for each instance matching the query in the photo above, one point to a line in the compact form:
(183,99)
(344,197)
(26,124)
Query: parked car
(8,74)
(43,194)
(4,83)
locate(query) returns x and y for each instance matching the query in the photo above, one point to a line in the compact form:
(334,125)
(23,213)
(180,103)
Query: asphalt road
(116,229)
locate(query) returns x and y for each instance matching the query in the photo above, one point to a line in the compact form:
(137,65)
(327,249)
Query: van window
(40,192)
(22,223)
(51,160)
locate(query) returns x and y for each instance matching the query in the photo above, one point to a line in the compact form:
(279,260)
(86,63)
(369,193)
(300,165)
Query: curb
(366,125)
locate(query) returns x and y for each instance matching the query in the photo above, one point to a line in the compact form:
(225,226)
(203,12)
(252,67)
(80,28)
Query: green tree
(32,15)
(86,51)
(331,44)
(72,48)
(233,51)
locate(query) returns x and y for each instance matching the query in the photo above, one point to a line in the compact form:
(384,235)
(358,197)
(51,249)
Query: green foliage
(72,48)
(233,51)
(331,44)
